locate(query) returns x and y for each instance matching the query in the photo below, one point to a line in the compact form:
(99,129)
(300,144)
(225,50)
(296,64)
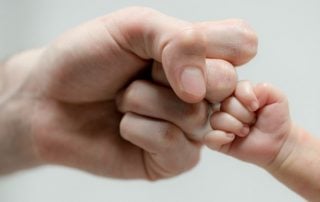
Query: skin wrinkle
(133,31)
(116,35)
(74,140)
(85,66)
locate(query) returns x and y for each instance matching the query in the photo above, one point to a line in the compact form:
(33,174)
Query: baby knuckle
(265,85)
(227,103)
(214,119)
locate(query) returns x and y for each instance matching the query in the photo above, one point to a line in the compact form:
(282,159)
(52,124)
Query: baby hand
(256,120)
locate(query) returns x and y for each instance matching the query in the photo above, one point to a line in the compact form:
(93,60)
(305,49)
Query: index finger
(182,46)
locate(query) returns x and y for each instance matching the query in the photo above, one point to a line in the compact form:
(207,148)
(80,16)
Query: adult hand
(72,88)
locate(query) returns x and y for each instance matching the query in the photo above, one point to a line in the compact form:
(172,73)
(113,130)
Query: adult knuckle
(124,127)
(196,114)
(170,134)
(191,40)
(131,28)
(131,97)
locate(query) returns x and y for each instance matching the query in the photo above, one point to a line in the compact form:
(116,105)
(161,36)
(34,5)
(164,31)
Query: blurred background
(288,57)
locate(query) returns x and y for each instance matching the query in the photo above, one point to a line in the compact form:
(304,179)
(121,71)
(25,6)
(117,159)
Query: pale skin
(60,104)
(253,125)
(273,141)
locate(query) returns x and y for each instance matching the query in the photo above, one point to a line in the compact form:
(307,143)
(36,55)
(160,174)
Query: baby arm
(272,142)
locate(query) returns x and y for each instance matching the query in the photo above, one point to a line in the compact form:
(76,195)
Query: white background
(289,52)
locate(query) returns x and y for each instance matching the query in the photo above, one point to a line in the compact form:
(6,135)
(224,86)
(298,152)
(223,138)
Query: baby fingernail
(245,130)
(230,135)
(254,106)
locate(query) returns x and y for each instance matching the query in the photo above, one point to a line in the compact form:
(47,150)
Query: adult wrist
(17,150)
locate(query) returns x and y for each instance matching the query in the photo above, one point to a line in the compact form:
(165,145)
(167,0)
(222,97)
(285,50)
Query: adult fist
(73,86)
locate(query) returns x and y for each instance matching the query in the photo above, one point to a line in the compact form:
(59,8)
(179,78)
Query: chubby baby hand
(251,125)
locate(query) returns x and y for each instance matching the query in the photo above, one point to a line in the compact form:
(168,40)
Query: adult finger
(150,100)
(167,151)
(235,38)
(221,78)
(181,46)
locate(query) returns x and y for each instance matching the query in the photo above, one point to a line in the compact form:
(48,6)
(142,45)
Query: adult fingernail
(192,82)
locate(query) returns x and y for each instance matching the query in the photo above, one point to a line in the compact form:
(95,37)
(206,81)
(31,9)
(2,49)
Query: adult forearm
(300,170)
(16,145)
